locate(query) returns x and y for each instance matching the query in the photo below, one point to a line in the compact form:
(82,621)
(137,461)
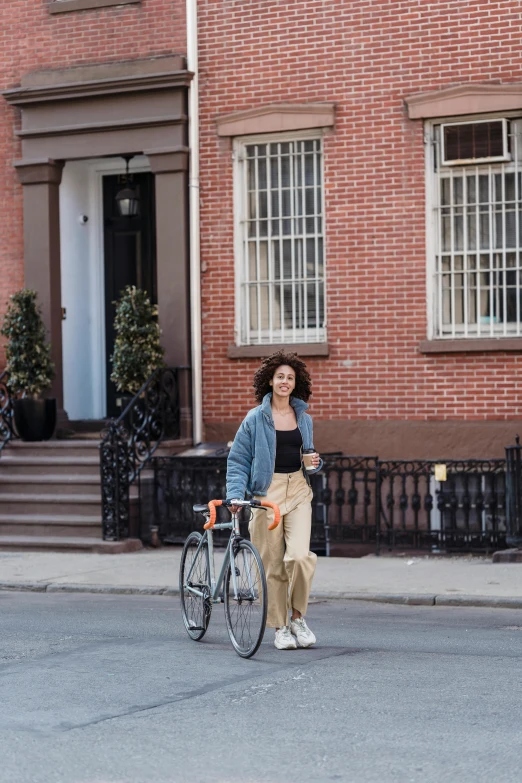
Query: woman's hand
(316,460)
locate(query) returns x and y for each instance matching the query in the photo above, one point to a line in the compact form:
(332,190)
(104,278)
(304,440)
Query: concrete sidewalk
(446,581)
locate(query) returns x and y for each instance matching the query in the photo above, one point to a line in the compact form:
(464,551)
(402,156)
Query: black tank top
(288,451)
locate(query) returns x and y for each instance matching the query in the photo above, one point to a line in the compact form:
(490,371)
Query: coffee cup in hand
(308,458)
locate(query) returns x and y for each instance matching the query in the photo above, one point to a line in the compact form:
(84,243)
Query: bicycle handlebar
(212,507)
(212,504)
(275,509)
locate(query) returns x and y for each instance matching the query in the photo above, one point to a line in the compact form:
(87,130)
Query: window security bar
(478,234)
(282,243)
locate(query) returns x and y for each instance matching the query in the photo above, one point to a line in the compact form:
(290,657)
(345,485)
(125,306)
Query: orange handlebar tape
(212,506)
(277,513)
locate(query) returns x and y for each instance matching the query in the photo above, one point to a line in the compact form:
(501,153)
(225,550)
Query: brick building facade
(395,381)
(330,218)
(87,85)
(34,37)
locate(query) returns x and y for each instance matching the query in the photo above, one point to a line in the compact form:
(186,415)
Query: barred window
(477,227)
(280,242)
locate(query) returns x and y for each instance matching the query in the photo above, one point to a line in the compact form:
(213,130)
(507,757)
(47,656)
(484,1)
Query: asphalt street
(109,689)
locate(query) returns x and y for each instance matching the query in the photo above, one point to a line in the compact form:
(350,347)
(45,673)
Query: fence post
(514,495)
(377,507)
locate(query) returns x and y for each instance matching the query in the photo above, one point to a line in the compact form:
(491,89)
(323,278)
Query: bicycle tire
(195,610)
(245,613)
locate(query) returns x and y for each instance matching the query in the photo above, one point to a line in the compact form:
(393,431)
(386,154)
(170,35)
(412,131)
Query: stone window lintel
(276,118)
(463,100)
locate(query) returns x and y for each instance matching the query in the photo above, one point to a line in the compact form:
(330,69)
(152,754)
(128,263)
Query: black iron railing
(360,504)
(177,483)
(344,507)
(7,430)
(129,442)
(465,511)
(514,494)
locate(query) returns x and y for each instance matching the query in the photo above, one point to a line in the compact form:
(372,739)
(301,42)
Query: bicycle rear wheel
(194,574)
(245,599)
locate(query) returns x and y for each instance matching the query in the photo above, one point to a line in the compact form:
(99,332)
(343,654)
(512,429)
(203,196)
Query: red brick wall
(31,39)
(366,56)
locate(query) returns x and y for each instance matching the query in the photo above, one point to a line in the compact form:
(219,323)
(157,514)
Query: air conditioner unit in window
(483,141)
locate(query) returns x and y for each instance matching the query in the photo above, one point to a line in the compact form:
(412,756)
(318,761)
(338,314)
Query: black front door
(130,257)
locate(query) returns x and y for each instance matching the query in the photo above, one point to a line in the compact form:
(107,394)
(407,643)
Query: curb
(413,599)
(500,602)
(39,587)
(409,599)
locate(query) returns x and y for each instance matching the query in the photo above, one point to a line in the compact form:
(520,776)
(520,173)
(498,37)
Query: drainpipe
(195,270)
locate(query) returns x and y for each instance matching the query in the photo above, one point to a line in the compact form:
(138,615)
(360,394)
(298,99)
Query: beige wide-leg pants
(285,551)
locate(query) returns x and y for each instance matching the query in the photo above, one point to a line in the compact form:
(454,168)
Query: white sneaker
(284,639)
(304,636)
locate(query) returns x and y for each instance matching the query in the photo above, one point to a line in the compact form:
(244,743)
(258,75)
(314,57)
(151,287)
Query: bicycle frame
(216,585)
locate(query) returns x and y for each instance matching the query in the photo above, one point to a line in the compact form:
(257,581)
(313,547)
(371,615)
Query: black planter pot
(35,419)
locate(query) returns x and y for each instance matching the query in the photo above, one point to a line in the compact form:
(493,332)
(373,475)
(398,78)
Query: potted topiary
(29,366)
(137,350)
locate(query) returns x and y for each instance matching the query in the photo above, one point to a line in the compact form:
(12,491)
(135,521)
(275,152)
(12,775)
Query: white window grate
(280,242)
(477,226)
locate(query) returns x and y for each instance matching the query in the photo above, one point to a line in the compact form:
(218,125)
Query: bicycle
(240,586)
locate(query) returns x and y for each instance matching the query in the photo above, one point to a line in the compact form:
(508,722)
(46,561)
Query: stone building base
(403,439)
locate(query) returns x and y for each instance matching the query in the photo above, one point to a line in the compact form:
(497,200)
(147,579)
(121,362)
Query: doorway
(129,258)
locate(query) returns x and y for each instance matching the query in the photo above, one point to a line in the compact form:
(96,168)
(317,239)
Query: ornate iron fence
(341,490)
(344,507)
(7,430)
(176,484)
(514,494)
(465,512)
(360,503)
(129,442)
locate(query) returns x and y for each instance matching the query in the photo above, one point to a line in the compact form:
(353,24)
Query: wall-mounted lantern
(127,199)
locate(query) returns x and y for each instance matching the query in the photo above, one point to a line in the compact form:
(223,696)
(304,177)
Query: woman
(266,461)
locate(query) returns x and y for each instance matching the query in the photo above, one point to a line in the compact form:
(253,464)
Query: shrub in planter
(29,366)
(137,350)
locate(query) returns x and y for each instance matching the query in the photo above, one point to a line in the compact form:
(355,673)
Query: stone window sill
(471,345)
(66,6)
(260,351)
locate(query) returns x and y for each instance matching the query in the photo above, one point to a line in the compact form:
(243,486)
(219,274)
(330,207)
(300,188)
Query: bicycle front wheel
(194,586)
(245,598)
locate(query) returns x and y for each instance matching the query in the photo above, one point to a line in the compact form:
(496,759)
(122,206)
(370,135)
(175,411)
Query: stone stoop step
(68,543)
(50,497)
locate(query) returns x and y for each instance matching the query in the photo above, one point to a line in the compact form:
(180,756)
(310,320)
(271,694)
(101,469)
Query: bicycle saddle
(201,508)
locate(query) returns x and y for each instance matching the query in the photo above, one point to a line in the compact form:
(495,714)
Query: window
(476,224)
(279,225)
(473,142)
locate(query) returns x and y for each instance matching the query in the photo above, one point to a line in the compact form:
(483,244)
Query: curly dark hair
(263,376)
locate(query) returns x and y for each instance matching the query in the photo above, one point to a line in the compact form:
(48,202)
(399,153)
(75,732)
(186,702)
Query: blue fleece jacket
(251,460)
